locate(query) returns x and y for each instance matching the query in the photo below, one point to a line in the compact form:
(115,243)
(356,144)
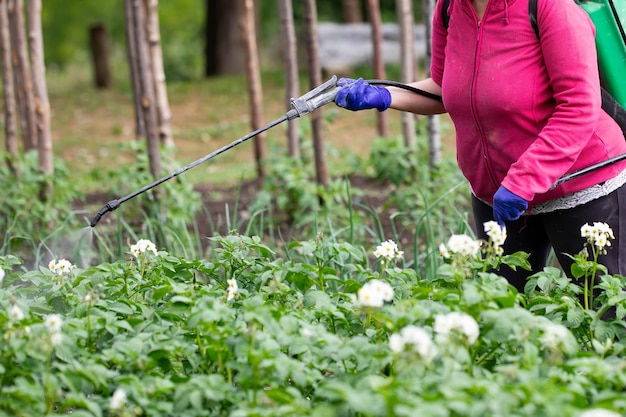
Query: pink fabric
(525,113)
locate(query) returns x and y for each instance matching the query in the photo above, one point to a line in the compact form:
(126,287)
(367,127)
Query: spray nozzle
(314,99)
(110,206)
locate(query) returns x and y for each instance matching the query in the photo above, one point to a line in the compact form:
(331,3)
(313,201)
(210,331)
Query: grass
(89,124)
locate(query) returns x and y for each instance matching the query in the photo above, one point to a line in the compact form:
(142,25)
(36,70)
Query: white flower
(456,322)
(388,250)
(420,340)
(496,233)
(443,251)
(374,293)
(368,297)
(557,337)
(463,245)
(597,235)
(15,313)
(396,343)
(232,289)
(61,267)
(118,400)
(56,338)
(599,412)
(143,246)
(383,288)
(415,338)
(2,274)
(53,323)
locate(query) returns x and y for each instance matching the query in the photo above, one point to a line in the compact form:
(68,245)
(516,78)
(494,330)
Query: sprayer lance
(309,102)
(314,99)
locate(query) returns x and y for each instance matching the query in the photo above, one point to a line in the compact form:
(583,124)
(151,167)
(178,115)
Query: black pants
(536,234)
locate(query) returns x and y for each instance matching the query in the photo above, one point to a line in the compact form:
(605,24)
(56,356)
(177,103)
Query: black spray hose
(407,87)
(594,167)
(309,102)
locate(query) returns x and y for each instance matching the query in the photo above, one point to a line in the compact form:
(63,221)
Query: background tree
(407,65)
(290,61)
(146,86)
(22,74)
(434,137)
(158,73)
(10,118)
(223,52)
(315,79)
(352,11)
(131,53)
(253,73)
(377,58)
(42,104)
(100,55)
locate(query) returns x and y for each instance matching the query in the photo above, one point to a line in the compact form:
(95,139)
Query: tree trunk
(315,79)
(223,52)
(42,104)
(290,58)
(434,137)
(253,73)
(10,118)
(23,77)
(131,52)
(160,86)
(100,51)
(377,57)
(404,11)
(146,87)
(352,11)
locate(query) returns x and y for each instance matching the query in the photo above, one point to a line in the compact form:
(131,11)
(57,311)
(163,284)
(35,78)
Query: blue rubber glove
(507,206)
(360,95)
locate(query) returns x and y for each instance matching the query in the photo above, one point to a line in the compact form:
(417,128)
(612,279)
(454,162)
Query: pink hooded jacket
(526,111)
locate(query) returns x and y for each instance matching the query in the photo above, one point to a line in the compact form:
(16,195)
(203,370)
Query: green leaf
(317,299)
(517,260)
(122,308)
(351,286)
(602,330)
(575,317)
(279,395)
(301,280)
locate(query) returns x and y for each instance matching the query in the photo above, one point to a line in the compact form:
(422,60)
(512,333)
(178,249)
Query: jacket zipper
(483,139)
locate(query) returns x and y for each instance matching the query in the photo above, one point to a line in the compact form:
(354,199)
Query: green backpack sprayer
(609,16)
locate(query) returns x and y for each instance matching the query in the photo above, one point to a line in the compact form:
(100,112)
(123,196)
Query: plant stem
(89,325)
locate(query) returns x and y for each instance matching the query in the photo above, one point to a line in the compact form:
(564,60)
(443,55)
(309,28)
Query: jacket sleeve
(438,46)
(567,38)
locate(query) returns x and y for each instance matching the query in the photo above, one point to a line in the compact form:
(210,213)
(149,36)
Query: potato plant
(324,329)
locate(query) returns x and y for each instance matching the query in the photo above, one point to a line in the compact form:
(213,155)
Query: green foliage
(25,217)
(430,202)
(66,32)
(292,195)
(163,214)
(250,331)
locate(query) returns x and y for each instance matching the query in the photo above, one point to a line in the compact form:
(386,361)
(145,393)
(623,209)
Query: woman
(526,110)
